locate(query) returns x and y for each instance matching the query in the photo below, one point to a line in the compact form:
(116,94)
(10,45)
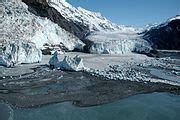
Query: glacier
(18,52)
(116,43)
(105,37)
(19,23)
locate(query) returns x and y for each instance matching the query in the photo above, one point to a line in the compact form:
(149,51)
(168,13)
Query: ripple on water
(156,106)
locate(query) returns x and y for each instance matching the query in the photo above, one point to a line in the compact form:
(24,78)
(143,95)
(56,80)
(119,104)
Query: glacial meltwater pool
(155,106)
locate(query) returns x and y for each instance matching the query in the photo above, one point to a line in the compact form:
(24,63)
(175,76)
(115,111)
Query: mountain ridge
(165,35)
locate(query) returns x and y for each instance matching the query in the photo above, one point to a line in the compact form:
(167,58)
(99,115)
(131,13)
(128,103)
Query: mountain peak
(177,17)
(94,21)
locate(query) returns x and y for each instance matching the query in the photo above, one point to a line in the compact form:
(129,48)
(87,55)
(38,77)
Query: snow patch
(175,18)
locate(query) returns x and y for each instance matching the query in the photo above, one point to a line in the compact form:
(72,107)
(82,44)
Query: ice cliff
(19,23)
(116,43)
(18,52)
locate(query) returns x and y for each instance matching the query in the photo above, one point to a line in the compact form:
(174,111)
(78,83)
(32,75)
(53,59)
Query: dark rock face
(41,8)
(45,86)
(165,36)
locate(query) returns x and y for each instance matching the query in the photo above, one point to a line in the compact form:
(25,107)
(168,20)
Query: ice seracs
(19,23)
(4,61)
(18,52)
(116,43)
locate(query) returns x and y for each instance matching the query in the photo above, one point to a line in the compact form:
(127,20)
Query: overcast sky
(132,12)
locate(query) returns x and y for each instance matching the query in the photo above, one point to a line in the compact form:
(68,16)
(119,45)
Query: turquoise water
(6,112)
(156,106)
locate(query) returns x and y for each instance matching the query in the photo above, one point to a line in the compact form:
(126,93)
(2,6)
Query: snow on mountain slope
(105,37)
(19,23)
(165,35)
(116,43)
(175,18)
(94,21)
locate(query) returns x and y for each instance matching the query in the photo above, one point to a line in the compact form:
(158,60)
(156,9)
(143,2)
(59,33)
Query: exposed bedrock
(165,36)
(41,8)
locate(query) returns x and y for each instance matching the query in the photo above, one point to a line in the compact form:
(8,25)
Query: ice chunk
(4,61)
(55,60)
(72,64)
(68,63)
(19,51)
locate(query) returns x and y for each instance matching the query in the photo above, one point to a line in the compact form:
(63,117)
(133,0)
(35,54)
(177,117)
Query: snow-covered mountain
(94,21)
(165,35)
(78,21)
(36,22)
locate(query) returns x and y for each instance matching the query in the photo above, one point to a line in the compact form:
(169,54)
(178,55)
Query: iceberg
(67,64)
(72,64)
(54,61)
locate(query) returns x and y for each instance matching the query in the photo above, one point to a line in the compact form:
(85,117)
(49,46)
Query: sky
(132,12)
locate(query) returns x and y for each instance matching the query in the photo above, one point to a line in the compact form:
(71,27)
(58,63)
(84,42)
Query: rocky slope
(41,8)
(165,35)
